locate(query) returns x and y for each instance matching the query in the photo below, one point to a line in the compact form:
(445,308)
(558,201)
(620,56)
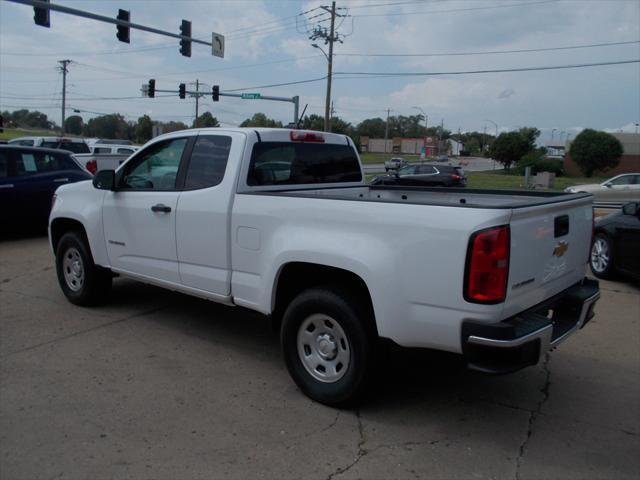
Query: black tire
(601,258)
(341,308)
(87,284)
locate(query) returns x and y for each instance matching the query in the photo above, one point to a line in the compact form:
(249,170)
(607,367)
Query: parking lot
(161,385)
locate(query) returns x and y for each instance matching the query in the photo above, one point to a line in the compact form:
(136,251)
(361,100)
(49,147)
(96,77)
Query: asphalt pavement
(158,385)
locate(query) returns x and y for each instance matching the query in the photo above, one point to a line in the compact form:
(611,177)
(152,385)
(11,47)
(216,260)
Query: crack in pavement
(362,452)
(534,414)
(15,277)
(80,332)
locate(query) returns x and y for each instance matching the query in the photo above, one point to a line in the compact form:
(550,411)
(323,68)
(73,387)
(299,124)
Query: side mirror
(608,185)
(105,180)
(631,209)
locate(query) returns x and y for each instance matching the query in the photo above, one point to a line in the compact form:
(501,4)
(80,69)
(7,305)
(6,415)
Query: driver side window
(156,168)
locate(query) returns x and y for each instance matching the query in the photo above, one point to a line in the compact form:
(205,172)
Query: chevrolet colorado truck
(282,222)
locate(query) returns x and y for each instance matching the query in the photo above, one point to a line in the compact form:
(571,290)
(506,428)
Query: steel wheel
(73,269)
(323,348)
(600,255)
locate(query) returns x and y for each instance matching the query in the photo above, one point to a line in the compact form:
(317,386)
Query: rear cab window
(289,163)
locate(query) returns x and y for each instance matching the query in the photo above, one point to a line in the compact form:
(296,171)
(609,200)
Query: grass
(501,181)
(368,157)
(10,133)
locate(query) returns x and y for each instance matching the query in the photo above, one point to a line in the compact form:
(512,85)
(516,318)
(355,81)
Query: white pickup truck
(282,222)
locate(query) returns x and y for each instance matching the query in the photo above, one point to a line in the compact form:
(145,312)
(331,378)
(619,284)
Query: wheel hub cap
(323,348)
(73,269)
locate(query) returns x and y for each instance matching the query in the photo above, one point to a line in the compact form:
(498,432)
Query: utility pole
(440,136)
(327,119)
(195,122)
(63,69)
(386,130)
(329,38)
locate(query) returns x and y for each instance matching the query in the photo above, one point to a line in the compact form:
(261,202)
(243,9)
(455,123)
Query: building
(629,163)
(410,146)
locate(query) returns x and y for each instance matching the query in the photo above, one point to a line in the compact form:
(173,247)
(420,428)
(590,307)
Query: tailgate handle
(561,226)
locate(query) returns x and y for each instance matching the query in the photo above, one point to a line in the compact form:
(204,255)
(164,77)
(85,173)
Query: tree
(206,120)
(261,120)
(74,124)
(26,118)
(107,126)
(172,126)
(508,148)
(595,151)
(144,129)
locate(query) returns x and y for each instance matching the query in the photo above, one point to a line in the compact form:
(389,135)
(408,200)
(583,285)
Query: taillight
(297,136)
(487,269)
(456,177)
(92,166)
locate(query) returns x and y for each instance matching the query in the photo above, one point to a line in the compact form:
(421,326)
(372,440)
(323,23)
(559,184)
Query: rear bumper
(523,339)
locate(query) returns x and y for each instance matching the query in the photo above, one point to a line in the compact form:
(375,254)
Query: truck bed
(437,196)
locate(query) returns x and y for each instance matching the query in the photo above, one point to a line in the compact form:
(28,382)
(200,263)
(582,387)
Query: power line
(311,80)
(85,53)
(490,52)
(454,10)
(470,72)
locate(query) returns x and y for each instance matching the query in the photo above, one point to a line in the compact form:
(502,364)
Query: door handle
(7,185)
(60,180)
(161,208)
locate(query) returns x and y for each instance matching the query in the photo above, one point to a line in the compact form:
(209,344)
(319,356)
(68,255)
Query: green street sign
(250,96)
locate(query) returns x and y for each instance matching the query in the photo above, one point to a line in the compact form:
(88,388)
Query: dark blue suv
(28,178)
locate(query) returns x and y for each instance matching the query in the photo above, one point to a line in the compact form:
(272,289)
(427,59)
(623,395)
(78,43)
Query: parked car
(497,277)
(442,158)
(621,188)
(616,245)
(426,176)
(395,163)
(101,148)
(28,178)
(75,145)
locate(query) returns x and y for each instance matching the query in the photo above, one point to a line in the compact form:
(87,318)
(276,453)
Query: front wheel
(601,259)
(327,345)
(82,282)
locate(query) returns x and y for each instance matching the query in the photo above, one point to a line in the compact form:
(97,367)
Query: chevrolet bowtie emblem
(560,249)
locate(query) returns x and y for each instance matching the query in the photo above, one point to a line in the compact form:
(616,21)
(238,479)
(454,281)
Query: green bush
(549,165)
(539,163)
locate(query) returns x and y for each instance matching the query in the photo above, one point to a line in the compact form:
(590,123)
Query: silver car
(621,188)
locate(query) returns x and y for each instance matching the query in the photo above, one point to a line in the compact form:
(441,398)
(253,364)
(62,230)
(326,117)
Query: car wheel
(602,256)
(82,282)
(327,345)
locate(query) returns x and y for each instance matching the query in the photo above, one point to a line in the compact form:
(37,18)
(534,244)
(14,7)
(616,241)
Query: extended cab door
(139,218)
(204,209)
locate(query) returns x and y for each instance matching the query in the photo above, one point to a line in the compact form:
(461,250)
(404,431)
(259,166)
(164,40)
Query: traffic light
(152,88)
(41,15)
(123,32)
(215,93)
(185,45)
(182,90)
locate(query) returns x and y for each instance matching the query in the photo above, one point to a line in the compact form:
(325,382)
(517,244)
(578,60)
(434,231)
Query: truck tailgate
(549,251)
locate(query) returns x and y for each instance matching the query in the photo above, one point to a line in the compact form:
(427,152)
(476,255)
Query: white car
(282,222)
(621,188)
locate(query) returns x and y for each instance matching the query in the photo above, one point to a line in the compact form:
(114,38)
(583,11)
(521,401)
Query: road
(470,164)
(160,385)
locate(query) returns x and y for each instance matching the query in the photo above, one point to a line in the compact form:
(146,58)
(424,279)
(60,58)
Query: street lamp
(329,57)
(496,125)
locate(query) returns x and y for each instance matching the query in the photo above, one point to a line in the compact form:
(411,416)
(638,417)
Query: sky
(267,42)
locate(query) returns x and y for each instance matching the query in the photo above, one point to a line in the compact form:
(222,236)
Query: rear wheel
(602,256)
(82,282)
(327,344)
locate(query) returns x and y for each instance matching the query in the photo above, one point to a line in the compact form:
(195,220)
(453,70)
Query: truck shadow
(401,377)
